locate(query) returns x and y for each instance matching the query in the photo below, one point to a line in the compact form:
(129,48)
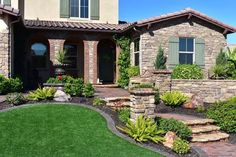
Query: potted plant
(62,63)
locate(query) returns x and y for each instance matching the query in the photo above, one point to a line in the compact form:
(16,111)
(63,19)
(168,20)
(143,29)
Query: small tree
(221,58)
(160,62)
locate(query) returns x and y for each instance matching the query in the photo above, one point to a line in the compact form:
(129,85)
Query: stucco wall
(159,34)
(14,4)
(4,47)
(38,9)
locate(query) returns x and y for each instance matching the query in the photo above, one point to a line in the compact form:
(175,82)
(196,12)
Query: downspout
(11,47)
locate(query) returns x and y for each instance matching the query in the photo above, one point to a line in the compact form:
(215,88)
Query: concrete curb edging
(111,126)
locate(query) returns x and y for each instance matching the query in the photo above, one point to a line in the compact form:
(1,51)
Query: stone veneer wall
(159,34)
(209,90)
(5,55)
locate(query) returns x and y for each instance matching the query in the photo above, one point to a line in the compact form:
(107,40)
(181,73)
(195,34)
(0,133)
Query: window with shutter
(95,9)
(173,56)
(186,51)
(200,52)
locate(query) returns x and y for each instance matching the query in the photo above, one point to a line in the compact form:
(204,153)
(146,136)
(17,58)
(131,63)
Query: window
(79,8)
(136,51)
(71,55)
(186,50)
(39,52)
(6,2)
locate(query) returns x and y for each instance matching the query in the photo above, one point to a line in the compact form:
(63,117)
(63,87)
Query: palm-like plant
(144,129)
(61,56)
(231,55)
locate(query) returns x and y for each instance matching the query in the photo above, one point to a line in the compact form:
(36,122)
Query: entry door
(106,64)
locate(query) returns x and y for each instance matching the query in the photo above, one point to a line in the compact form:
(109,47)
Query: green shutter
(64,8)
(200,52)
(95,9)
(173,56)
(7,2)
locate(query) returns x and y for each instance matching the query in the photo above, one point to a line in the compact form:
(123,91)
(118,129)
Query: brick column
(55,45)
(142,104)
(86,61)
(95,62)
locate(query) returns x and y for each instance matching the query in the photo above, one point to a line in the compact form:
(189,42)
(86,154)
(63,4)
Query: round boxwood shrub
(187,71)
(181,146)
(224,114)
(173,125)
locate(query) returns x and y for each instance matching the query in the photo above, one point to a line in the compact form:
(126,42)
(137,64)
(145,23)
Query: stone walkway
(111,92)
(212,149)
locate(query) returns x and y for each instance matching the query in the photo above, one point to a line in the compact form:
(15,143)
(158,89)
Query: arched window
(39,54)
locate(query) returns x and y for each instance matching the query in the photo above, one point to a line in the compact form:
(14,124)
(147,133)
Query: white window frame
(189,52)
(135,52)
(79,18)
(1,2)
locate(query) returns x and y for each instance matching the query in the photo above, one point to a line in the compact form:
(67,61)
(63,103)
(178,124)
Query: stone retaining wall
(209,90)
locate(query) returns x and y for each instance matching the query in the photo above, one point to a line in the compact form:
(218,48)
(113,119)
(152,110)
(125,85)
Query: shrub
(41,94)
(181,146)
(124,114)
(224,115)
(74,87)
(144,129)
(88,90)
(157,98)
(221,58)
(174,98)
(133,71)
(176,126)
(160,60)
(16,99)
(220,71)
(187,71)
(98,102)
(10,85)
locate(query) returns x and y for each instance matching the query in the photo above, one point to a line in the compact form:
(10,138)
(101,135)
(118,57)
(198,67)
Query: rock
(169,139)
(61,96)
(194,102)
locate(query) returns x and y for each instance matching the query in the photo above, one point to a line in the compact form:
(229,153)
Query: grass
(61,131)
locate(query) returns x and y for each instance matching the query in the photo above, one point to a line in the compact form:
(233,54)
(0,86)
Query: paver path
(111,92)
(218,149)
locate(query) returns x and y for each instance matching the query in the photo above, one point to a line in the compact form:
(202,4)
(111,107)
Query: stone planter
(57,86)
(142,103)
(60,69)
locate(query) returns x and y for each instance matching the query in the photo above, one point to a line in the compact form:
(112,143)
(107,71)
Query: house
(31,34)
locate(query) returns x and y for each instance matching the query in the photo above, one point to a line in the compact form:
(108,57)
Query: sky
(221,10)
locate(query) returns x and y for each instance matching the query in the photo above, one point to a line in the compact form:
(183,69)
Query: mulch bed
(114,115)
(162,108)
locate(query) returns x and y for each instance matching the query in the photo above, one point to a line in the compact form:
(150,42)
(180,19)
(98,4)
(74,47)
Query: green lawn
(61,131)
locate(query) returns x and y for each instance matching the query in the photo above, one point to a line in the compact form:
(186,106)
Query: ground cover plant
(124,115)
(42,94)
(224,115)
(61,130)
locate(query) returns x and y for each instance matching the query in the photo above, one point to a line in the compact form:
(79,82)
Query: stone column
(142,103)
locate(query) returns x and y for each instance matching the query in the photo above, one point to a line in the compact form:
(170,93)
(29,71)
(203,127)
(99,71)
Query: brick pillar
(142,104)
(55,45)
(86,61)
(95,62)
(5,54)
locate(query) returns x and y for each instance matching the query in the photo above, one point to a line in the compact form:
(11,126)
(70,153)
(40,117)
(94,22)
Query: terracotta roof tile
(76,25)
(9,10)
(185,12)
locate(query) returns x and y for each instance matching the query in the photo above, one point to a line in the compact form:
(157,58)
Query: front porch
(91,56)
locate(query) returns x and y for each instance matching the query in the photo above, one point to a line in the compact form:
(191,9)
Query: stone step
(209,137)
(204,129)
(195,122)
(117,101)
(106,86)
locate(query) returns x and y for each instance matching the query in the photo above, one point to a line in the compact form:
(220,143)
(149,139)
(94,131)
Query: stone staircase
(203,130)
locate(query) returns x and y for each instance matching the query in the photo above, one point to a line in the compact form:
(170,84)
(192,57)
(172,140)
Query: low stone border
(112,128)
